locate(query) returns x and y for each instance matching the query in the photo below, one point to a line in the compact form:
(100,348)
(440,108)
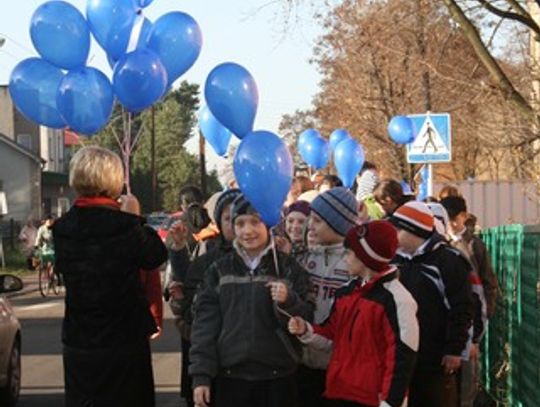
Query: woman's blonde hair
(96,171)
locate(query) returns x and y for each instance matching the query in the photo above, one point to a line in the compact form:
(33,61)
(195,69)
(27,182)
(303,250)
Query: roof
(70,138)
(20,149)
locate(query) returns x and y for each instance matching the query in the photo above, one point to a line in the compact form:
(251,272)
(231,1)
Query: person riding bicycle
(44,241)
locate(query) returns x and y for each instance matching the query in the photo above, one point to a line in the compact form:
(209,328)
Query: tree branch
(491,64)
(524,19)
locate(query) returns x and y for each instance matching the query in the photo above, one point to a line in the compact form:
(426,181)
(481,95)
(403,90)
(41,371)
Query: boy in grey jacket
(333,213)
(239,335)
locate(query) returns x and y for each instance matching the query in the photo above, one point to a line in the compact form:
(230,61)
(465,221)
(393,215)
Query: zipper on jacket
(325,258)
(352,324)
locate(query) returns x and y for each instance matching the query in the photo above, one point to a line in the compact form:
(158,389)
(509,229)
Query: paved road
(42,375)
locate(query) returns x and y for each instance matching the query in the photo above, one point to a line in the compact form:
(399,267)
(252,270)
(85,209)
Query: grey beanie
(338,208)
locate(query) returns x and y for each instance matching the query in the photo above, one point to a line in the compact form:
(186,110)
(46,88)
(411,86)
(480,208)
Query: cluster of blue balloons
(348,153)
(262,164)
(147,58)
(401,130)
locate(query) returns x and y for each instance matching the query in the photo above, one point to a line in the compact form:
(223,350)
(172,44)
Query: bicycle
(48,278)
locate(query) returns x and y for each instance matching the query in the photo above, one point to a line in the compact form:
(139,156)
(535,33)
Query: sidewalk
(30,285)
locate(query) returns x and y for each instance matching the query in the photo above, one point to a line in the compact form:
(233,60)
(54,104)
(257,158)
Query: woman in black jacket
(107,322)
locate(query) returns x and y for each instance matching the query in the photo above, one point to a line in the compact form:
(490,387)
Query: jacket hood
(432,244)
(95,222)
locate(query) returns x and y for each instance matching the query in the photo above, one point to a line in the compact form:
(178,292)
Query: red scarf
(89,201)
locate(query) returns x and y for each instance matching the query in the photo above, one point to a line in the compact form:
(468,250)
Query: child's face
(458,223)
(319,232)
(294,225)
(387,205)
(355,267)
(408,242)
(227,229)
(251,233)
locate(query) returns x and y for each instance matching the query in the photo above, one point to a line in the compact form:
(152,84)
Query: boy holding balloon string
(239,334)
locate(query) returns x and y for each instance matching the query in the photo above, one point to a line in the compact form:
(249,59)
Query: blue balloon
(177,39)
(142,42)
(111,22)
(144,3)
(214,132)
(139,80)
(338,136)
(60,34)
(348,159)
(32,86)
(406,187)
(313,148)
(232,96)
(85,100)
(401,130)
(263,168)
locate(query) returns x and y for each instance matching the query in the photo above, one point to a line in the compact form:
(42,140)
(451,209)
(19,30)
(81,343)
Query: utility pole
(426,80)
(202,163)
(153,159)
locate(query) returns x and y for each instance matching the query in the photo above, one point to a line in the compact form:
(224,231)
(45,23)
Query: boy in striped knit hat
(438,278)
(332,214)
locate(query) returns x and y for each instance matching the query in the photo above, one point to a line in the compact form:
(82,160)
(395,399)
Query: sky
(248,32)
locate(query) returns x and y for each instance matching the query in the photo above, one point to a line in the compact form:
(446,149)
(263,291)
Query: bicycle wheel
(55,283)
(44,285)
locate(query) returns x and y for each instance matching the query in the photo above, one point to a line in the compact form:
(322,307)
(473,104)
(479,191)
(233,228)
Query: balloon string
(135,33)
(274,252)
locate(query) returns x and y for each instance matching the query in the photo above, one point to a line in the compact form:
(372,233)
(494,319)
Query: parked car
(10,343)
(163,230)
(155,220)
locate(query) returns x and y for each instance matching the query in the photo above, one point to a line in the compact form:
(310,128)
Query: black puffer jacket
(238,332)
(100,252)
(438,279)
(194,277)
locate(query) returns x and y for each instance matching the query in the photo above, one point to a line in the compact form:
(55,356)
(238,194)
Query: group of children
(331,308)
(349,311)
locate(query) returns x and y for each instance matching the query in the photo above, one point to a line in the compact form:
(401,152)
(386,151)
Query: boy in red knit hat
(372,326)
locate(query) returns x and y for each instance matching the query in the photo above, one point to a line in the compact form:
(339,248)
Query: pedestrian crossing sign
(433,141)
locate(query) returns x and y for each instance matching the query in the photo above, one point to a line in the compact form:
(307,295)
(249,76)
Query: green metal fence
(511,352)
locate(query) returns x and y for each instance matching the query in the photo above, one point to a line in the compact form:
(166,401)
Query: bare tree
(400,57)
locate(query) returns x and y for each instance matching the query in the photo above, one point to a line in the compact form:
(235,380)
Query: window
(3,204)
(63,206)
(25,140)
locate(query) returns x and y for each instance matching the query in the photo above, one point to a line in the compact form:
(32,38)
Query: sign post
(433,142)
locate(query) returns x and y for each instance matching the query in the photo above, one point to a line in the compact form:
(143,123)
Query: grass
(15,262)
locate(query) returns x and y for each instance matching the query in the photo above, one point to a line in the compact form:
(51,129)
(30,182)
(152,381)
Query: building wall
(6,113)
(20,177)
(52,149)
(26,133)
(500,203)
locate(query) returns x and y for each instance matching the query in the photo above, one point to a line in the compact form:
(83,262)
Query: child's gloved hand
(297,326)
(279,291)
(176,290)
(283,244)
(179,234)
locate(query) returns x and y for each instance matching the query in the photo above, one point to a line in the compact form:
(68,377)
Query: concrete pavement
(42,373)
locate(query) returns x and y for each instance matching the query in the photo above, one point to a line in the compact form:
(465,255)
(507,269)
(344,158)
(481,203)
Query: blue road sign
(433,142)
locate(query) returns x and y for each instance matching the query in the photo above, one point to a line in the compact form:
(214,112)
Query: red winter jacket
(151,282)
(375,339)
